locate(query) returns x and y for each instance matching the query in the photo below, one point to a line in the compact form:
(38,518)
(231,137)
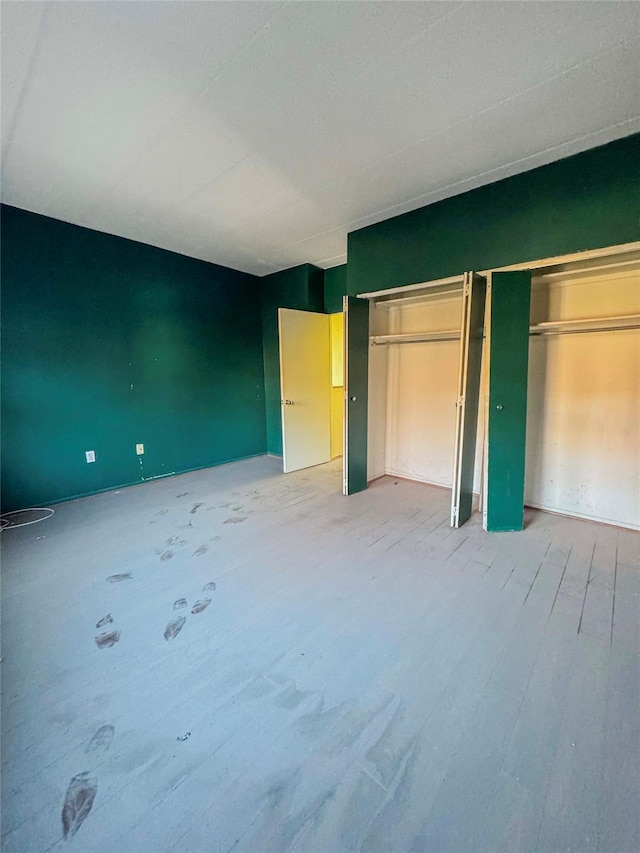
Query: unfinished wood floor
(363,678)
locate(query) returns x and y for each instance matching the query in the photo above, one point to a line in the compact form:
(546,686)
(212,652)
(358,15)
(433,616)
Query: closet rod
(553,327)
(543,273)
(589,324)
(616,254)
(449,335)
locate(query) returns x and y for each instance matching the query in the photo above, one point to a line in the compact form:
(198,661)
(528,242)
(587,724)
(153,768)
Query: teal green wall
(335,287)
(301,288)
(107,343)
(584,202)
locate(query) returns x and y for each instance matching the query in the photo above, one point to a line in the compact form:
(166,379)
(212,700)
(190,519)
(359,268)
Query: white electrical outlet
(140,449)
(91,455)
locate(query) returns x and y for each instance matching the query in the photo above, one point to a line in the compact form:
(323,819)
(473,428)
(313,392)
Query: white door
(468,397)
(305,383)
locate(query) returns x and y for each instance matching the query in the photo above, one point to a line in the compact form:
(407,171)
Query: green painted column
(356,318)
(507,415)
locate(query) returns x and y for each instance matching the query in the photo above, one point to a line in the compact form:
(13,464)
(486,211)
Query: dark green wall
(584,202)
(301,288)
(335,287)
(107,343)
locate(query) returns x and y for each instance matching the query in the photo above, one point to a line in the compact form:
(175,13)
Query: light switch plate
(139,449)
(91,455)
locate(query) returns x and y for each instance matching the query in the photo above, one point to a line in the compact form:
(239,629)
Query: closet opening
(425,379)
(575,377)
(583,441)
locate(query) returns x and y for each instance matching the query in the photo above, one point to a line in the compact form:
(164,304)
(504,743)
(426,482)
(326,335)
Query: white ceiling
(258,134)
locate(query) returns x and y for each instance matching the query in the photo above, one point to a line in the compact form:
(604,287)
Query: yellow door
(337,383)
(305,383)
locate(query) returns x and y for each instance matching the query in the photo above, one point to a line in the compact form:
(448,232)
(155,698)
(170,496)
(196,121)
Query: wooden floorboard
(363,677)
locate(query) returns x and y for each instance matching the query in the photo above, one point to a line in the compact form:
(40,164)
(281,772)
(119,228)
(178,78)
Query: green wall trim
(587,201)
(335,288)
(300,288)
(107,343)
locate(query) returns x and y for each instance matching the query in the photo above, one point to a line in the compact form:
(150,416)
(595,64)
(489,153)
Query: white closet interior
(583,414)
(413,374)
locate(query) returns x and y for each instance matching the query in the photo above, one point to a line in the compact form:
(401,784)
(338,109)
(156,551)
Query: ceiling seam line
(461,122)
(463,181)
(183,113)
(514,96)
(466,119)
(26,83)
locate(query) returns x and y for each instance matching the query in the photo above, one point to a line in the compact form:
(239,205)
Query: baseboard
(582,516)
(134,483)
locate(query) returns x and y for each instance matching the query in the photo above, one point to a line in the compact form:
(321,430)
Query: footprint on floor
(125,576)
(195,508)
(201,605)
(209,587)
(105,641)
(180,603)
(166,555)
(201,550)
(101,739)
(174,627)
(237,520)
(172,540)
(182,494)
(106,620)
(163,511)
(78,802)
